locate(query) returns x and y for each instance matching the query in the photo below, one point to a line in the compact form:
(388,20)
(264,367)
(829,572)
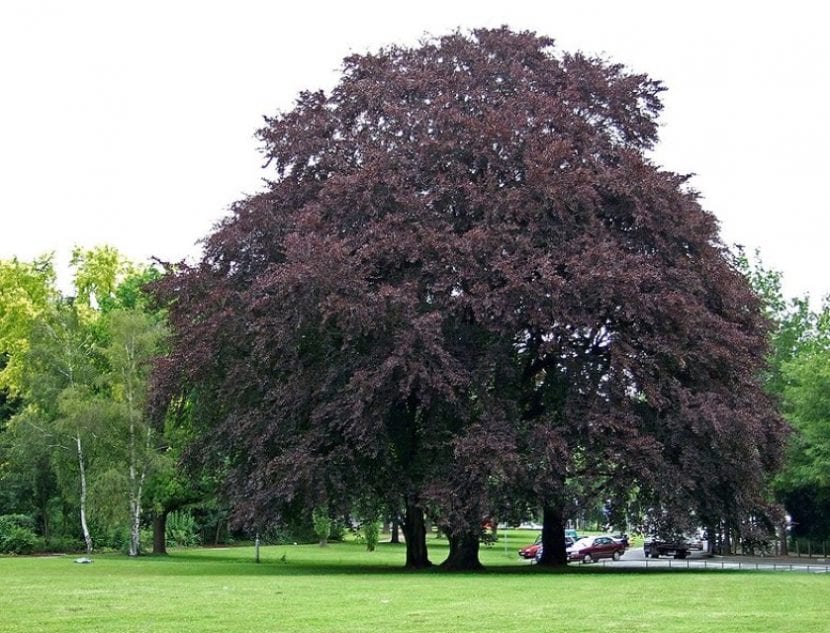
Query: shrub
(17,534)
(322,524)
(61,544)
(17,540)
(9,521)
(338,530)
(371,533)
(117,538)
(182,530)
(278,535)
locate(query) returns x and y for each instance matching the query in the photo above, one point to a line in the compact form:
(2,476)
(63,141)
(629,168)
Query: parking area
(635,559)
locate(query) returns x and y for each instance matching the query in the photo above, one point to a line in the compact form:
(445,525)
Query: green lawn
(344,588)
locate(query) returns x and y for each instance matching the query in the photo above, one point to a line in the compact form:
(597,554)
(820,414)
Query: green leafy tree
(79,374)
(63,402)
(793,323)
(98,273)
(322,524)
(134,341)
(28,482)
(798,377)
(805,483)
(27,291)
(85,419)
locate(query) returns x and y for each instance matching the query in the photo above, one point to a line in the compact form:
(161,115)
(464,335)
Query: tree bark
(415,534)
(726,546)
(395,535)
(84,527)
(553,537)
(160,532)
(463,552)
(782,538)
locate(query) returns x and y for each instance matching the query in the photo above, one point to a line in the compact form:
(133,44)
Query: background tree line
(79,457)
(798,376)
(465,295)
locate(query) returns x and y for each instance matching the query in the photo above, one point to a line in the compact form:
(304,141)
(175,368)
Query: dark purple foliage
(467,281)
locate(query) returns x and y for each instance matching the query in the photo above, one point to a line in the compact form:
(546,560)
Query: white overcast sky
(131,123)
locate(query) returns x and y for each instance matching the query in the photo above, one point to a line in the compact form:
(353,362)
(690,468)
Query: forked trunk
(553,537)
(415,534)
(138,472)
(463,552)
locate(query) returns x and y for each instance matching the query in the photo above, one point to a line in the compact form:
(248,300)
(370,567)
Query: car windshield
(583,542)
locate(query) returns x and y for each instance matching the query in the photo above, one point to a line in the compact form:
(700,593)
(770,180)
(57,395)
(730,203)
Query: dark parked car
(622,538)
(655,547)
(593,548)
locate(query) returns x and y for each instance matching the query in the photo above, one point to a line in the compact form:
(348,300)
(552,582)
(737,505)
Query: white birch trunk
(136,489)
(84,527)
(137,471)
(135,496)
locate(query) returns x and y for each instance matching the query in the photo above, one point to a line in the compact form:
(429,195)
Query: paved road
(635,559)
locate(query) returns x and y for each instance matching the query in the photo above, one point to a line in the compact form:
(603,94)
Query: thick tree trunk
(553,537)
(726,546)
(463,553)
(782,538)
(415,534)
(710,540)
(160,532)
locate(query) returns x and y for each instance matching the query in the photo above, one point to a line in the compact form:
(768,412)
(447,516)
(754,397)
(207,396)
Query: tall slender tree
(134,342)
(62,404)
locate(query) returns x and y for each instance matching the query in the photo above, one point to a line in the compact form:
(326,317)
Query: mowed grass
(344,588)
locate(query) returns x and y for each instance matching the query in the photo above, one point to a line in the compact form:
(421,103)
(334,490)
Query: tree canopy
(73,431)
(798,377)
(466,283)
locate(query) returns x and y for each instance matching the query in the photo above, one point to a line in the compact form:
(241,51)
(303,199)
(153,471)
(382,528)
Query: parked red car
(591,548)
(531,552)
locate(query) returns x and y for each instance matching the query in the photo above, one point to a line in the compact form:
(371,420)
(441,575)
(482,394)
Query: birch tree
(134,341)
(59,377)
(76,367)
(84,419)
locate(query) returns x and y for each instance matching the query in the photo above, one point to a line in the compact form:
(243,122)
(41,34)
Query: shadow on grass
(290,561)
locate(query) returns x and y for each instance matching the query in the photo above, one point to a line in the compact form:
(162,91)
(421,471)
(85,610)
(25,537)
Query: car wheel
(587,559)
(616,556)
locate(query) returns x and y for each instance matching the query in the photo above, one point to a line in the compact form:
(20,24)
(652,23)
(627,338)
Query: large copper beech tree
(466,287)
